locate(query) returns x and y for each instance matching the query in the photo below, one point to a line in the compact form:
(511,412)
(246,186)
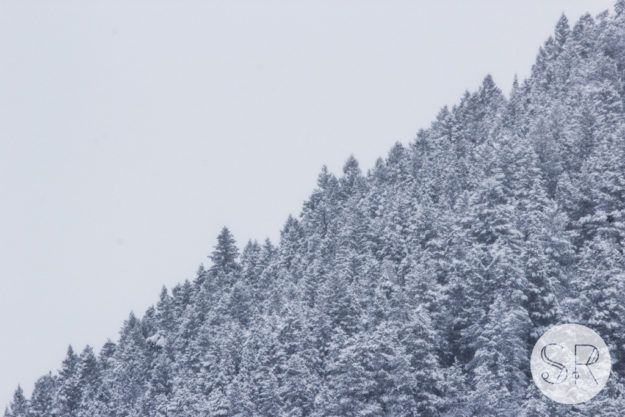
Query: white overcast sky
(132,131)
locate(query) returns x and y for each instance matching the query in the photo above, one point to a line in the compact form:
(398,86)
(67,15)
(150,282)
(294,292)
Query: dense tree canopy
(394,291)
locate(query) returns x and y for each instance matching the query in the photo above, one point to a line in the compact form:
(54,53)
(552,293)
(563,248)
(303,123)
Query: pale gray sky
(132,131)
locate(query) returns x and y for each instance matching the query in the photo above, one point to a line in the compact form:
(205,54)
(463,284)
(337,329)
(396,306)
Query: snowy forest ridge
(416,289)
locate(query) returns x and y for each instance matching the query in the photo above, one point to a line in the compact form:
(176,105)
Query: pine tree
(42,399)
(129,368)
(93,397)
(20,406)
(225,255)
(68,395)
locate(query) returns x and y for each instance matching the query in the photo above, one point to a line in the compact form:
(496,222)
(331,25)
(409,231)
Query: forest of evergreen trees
(417,288)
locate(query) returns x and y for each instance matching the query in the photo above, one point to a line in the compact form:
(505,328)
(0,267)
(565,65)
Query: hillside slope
(416,289)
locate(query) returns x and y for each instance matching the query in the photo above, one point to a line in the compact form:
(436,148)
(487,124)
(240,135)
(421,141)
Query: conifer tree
(225,255)
(20,406)
(68,395)
(42,399)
